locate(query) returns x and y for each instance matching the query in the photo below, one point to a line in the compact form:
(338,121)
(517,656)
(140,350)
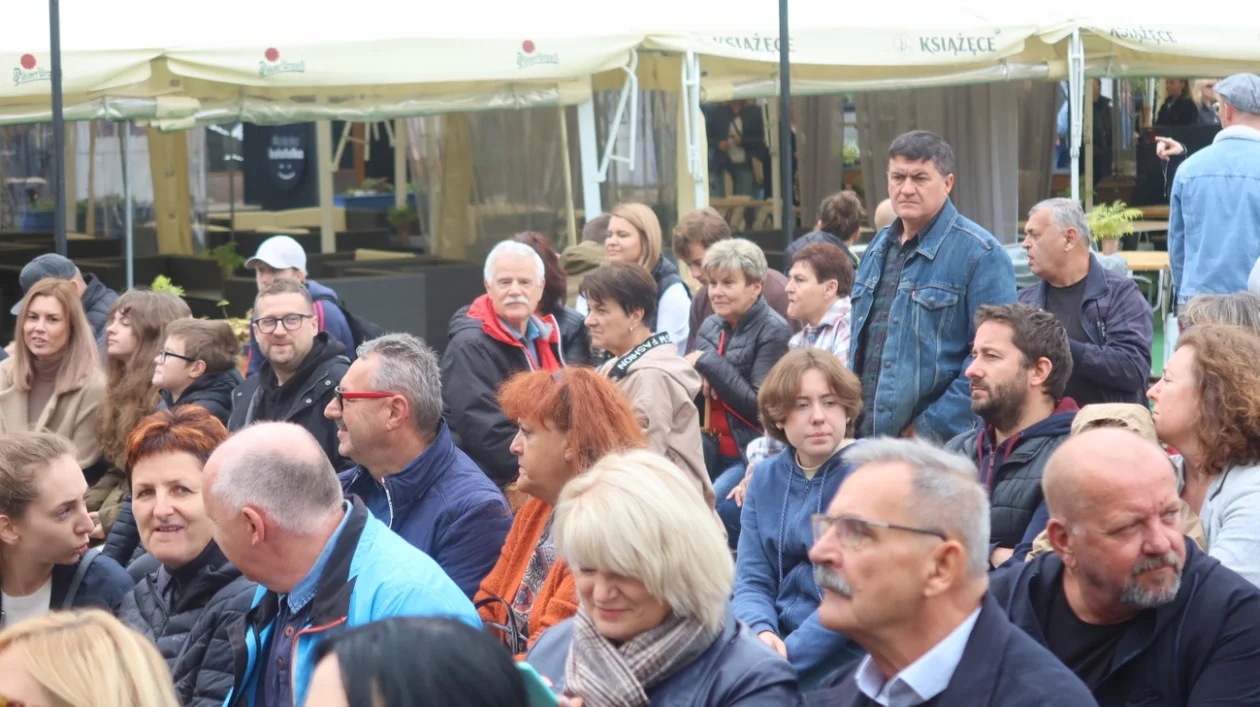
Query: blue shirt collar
(304,592)
(532,330)
(923,679)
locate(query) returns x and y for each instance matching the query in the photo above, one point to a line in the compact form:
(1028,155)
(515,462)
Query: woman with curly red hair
(188,594)
(1207,407)
(567,421)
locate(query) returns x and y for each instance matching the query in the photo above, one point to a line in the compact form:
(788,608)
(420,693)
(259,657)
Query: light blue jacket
(384,575)
(957,267)
(1214,215)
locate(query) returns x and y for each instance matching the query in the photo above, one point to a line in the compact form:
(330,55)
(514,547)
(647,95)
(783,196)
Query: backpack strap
(80,571)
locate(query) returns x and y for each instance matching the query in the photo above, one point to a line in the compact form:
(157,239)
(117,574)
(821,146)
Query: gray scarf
(606,675)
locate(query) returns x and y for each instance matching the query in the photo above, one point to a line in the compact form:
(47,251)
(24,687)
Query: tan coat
(662,387)
(72,415)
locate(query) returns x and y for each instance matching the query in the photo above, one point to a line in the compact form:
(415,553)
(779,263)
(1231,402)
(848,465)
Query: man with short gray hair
(323,563)
(388,413)
(902,556)
(1107,318)
(501,333)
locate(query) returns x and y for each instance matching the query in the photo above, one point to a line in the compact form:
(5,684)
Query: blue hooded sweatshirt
(774,578)
(328,316)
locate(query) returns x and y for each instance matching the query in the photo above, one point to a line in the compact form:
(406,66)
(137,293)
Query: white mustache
(825,578)
(516,300)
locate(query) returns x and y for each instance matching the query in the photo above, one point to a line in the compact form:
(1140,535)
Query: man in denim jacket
(1214,209)
(914,302)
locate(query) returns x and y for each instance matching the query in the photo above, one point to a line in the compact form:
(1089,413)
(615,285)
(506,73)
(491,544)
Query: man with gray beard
(902,558)
(1138,613)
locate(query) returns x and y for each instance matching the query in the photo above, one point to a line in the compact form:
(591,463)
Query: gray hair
(737,255)
(513,249)
(407,366)
(946,493)
(299,491)
(1065,214)
(1238,308)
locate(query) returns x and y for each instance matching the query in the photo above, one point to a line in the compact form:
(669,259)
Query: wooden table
(1155,211)
(1145,260)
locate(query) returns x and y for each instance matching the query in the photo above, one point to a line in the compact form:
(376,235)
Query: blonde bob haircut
(112,665)
(637,515)
(644,220)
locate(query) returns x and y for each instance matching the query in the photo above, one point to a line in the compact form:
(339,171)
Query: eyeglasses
(161,358)
(344,395)
(855,532)
(291,322)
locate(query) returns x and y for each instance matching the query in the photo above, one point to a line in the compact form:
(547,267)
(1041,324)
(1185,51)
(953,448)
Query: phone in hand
(537,690)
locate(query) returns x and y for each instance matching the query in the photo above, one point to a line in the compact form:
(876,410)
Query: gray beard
(1138,597)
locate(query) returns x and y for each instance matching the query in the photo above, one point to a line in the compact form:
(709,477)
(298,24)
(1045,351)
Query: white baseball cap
(279,252)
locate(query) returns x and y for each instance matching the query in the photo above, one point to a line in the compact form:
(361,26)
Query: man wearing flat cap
(1214,217)
(96,297)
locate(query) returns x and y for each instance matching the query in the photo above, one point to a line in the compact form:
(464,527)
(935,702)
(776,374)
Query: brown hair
(286,286)
(213,342)
(828,263)
(841,215)
(1037,334)
(578,402)
(778,391)
(186,428)
(23,457)
(80,361)
(645,222)
(130,385)
(1229,394)
(627,284)
(596,229)
(555,283)
(703,227)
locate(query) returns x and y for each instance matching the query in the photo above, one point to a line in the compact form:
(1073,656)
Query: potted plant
(39,215)
(405,221)
(373,195)
(229,259)
(1111,222)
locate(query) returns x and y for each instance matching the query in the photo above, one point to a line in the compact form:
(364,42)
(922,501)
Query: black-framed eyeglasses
(855,532)
(291,322)
(164,354)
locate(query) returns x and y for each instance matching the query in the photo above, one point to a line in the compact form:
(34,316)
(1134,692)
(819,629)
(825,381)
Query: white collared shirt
(923,679)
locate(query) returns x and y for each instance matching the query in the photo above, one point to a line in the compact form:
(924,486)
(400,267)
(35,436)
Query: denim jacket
(1214,215)
(956,268)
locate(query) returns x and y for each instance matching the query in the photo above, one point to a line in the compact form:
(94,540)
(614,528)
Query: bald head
(278,468)
(1099,464)
(884,215)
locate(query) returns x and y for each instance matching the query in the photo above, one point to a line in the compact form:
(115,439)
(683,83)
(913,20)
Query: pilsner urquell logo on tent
(27,71)
(272,64)
(526,56)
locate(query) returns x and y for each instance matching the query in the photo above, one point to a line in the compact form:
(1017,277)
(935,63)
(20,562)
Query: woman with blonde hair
(653,575)
(133,340)
(568,420)
(81,659)
(53,381)
(634,236)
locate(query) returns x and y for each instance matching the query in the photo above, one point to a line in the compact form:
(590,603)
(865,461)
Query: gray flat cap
(1242,91)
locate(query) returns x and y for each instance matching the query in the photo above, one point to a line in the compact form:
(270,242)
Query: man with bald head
(902,556)
(1138,613)
(324,563)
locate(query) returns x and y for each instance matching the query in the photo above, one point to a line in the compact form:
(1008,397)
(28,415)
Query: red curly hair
(1229,394)
(578,402)
(186,428)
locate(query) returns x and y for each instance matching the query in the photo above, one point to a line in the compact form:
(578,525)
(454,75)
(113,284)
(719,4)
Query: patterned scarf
(606,675)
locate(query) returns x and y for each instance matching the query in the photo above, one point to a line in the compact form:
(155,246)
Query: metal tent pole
(787,193)
(59,126)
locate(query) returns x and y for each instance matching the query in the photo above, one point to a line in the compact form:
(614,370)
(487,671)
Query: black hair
(628,284)
(410,661)
(919,145)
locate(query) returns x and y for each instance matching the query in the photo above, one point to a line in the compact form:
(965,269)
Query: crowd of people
(897,484)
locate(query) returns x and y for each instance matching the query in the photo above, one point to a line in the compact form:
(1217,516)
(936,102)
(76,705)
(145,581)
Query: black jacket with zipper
(751,349)
(192,625)
(313,387)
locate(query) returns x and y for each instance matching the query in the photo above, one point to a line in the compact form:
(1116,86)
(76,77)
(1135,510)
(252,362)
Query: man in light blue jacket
(1214,209)
(917,290)
(323,564)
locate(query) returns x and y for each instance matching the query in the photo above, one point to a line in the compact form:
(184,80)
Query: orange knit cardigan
(557,598)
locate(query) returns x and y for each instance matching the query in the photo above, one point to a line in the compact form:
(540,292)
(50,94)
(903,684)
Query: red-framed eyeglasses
(344,395)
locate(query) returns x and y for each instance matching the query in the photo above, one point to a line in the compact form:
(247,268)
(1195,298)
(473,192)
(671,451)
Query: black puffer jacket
(191,622)
(752,348)
(212,391)
(575,338)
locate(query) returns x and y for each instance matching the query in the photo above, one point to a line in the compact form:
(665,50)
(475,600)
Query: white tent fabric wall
(978,123)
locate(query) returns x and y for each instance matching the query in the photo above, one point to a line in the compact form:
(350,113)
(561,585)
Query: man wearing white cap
(283,257)
(1213,218)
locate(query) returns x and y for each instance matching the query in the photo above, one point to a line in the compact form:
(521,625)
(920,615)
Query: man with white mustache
(902,558)
(1139,614)
(499,334)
